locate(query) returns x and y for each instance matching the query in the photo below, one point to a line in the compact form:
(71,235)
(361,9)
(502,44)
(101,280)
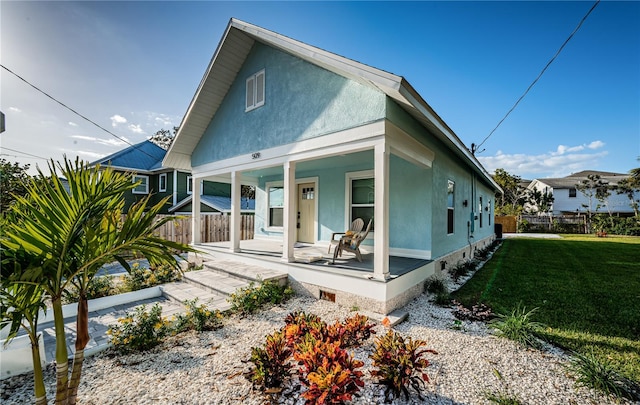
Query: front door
(306,212)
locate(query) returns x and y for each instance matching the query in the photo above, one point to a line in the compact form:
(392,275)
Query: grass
(586,291)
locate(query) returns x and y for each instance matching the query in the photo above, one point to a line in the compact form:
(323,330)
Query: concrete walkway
(211,286)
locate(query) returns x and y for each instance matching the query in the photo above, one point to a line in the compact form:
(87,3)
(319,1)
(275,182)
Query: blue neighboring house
(326,139)
(144,162)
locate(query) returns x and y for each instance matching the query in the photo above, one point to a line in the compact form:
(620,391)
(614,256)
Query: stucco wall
(302,101)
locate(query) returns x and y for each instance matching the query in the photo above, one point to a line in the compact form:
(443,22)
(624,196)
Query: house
(568,199)
(325,140)
(144,162)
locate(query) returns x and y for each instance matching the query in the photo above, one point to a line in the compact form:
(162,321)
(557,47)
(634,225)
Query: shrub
(197,317)
(602,377)
(141,330)
(330,373)
(436,285)
(141,277)
(518,326)
(98,287)
(442,299)
(249,299)
(479,312)
(352,331)
(463,268)
(272,363)
(400,364)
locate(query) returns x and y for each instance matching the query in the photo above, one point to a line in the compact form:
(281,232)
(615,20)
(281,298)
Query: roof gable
(230,56)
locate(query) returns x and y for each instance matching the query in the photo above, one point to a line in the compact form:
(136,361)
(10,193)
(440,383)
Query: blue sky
(133,68)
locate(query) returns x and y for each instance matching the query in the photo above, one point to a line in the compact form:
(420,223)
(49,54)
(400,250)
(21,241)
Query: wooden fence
(213,228)
(542,223)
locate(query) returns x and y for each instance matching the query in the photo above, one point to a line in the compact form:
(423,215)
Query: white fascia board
(177,160)
(318,56)
(339,143)
(407,147)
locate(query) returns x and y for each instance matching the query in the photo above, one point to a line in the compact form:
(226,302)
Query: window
(490,211)
(480,212)
(143,187)
(162,182)
(255,91)
(450,206)
(361,196)
(275,195)
(572,192)
(190,185)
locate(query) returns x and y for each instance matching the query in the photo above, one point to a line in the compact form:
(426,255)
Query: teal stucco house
(325,140)
(144,162)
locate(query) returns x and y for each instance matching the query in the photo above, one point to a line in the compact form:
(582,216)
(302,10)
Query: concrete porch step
(245,272)
(180,291)
(216,282)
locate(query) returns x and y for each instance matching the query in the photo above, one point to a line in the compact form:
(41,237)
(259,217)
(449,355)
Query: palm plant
(69,235)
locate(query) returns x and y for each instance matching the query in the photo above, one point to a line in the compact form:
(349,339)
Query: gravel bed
(208,367)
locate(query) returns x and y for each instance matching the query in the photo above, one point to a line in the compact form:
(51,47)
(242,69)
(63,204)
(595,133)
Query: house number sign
(255,155)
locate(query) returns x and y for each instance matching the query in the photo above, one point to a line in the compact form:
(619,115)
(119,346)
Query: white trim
(255,103)
(407,147)
(145,183)
(412,253)
(348,177)
(175,187)
(352,140)
(267,217)
(190,181)
(160,177)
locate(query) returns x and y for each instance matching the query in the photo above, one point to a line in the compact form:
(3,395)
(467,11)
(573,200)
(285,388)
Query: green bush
(99,286)
(249,299)
(197,317)
(140,330)
(518,326)
(602,377)
(141,277)
(435,285)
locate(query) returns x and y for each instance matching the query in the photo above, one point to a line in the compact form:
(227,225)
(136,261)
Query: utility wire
(477,147)
(24,153)
(73,111)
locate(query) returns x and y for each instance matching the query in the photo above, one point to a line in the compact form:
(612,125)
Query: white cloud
(136,129)
(595,145)
(101,141)
(117,119)
(559,163)
(73,124)
(15,109)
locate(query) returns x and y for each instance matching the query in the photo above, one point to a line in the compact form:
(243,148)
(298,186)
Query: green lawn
(587,290)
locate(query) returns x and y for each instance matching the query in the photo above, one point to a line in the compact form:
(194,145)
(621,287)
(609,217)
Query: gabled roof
(218,203)
(571,180)
(229,57)
(142,157)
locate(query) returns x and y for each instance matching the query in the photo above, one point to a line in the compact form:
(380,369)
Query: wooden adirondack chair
(351,244)
(356,226)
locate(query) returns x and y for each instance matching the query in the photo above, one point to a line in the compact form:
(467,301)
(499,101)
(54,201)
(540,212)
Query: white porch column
(381,212)
(195,211)
(290,214)
(235,211)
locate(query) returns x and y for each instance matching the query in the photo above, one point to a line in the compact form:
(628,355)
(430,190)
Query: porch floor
(316,256)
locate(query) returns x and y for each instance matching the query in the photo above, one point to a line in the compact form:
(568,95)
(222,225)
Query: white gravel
(207,368)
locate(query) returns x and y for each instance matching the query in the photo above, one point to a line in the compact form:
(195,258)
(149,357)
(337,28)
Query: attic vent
(327,296)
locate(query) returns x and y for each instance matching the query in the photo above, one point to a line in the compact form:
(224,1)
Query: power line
(477,147)
(24,153)
(72,110)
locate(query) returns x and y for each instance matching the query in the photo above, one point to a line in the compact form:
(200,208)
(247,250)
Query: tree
(594,188)
(65,237)
(164,137)
(13,182)
(511,202)
(543,202)
(630,186)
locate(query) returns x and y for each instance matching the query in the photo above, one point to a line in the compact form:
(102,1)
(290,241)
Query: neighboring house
(144,162)
(325,140)
(567,199)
